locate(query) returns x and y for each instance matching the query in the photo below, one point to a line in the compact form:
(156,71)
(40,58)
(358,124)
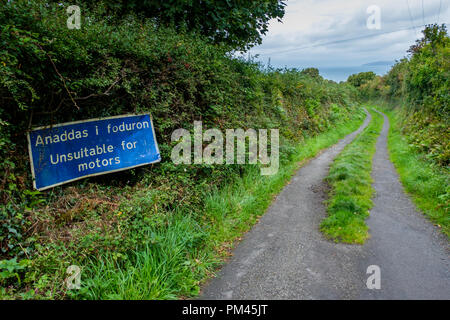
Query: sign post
(70,151)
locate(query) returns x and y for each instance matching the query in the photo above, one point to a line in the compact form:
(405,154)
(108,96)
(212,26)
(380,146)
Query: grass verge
(428,184)
(351,190)
(174,265)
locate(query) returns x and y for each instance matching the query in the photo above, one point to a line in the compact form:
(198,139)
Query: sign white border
(92,174)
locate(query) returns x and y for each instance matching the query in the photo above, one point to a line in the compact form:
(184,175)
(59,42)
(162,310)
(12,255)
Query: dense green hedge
(50,74)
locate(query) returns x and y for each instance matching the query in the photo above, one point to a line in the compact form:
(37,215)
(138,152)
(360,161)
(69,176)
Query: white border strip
(90,120)
(92,174)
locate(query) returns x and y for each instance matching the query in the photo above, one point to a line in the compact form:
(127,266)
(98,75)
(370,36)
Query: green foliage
(238,24)
(11,269)
(426,82)
(351,191)
(422,78)
(395,78)
(312,72)
(361,78)
(427,134)
(161,269)
(375,88)
(114,66)
(428,79)
(420,85)
(433,35)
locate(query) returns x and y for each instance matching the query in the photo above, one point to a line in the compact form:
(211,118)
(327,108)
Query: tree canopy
(361,78)
(313,72)
(237,23)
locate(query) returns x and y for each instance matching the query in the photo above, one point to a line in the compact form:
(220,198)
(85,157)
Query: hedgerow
(51,74)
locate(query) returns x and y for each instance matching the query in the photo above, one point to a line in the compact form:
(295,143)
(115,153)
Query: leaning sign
(70,151)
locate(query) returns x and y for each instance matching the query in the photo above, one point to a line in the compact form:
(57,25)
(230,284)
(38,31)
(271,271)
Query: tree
(434,35)
(361,78)
(312,72)
(237,23)
(395,78)
(427,82)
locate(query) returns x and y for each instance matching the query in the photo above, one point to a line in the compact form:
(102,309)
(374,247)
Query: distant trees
(361,78)
(422,78)
(312,72)
(421,81)
(396,77)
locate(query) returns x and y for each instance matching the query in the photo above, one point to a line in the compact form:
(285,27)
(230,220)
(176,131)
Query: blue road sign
(70,151)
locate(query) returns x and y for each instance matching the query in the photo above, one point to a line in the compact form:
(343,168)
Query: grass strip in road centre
(351,190)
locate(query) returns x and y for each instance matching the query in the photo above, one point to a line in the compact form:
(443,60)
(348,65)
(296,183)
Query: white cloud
(312,32)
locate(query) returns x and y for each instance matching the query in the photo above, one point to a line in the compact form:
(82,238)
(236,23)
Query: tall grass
(351,189)
(162,270)
(185,253)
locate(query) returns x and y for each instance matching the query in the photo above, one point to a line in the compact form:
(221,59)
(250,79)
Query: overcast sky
(311,33)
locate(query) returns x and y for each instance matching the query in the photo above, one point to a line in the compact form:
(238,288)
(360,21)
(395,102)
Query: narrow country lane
(413,255)
(286,257)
